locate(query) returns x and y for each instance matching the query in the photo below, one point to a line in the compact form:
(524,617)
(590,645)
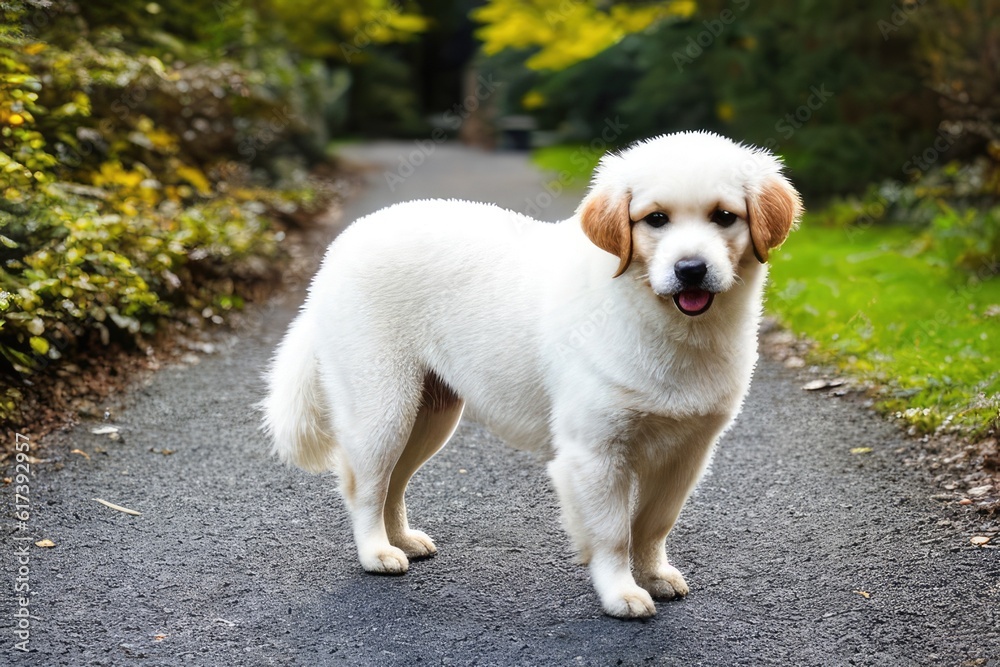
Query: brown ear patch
(772,212)
(607,224)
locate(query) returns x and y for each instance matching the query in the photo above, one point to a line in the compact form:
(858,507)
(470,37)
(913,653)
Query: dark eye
(656,219)
(723,218)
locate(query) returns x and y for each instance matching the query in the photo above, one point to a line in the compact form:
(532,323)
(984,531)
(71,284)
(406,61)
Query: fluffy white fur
(425,309)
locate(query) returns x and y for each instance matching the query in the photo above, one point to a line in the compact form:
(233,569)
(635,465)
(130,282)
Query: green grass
(925,335)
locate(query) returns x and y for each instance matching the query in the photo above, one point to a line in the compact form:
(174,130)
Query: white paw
(666,583)
(385,560)
(632,602)
(415,544)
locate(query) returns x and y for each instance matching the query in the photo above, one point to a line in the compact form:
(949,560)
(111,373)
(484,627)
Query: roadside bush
(952,214)
(136,180)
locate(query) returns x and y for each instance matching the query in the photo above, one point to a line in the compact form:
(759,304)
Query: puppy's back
(456,287)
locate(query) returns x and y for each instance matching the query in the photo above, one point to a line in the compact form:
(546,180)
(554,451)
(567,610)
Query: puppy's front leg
(595,489)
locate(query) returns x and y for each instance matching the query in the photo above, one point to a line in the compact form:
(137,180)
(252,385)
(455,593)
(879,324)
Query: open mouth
(693,302)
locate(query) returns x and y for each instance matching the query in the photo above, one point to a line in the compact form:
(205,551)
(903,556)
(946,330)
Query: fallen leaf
(816,385)
(81,453)
(864,594)
(861,450)
(980,540)
(45,544)
(117,507)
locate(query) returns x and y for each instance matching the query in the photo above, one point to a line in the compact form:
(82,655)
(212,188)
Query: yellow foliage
(533,100)
(355,24)
(566,31)
(161,140)
(195,177)
(39,344)
(407,23)
(113,175)
(76,255)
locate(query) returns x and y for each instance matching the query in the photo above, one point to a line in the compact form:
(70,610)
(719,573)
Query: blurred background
(154,156)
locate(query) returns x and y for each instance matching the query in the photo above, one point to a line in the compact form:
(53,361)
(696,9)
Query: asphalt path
(798,551)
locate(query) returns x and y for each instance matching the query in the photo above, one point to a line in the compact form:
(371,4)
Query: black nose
(690,271)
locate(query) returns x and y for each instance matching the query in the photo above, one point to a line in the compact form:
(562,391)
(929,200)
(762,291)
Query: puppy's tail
(295,414)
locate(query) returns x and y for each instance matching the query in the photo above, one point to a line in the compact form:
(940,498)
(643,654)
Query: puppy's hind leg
(374,436)
(436,421)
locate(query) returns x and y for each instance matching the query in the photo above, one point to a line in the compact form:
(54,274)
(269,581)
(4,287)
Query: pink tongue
(693,300)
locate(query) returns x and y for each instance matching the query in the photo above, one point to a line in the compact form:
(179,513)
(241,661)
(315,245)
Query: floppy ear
(606,222)
(772,211)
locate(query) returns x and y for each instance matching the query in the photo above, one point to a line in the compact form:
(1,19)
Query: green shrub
(951,213)
(130,193)
(815,82)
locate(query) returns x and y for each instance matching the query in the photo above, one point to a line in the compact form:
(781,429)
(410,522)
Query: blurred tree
(960,52)
(814,81)
(344,29)
(819,83)
(373,41)
(565,32)
(445,51)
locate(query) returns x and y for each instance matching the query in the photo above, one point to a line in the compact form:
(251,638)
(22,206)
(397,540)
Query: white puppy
(621,342)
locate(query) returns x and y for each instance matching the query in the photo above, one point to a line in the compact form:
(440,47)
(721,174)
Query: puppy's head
(690,209)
